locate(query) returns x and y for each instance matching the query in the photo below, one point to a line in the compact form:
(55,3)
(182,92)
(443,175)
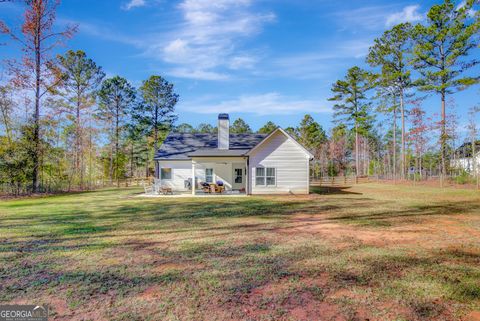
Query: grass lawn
(376,252)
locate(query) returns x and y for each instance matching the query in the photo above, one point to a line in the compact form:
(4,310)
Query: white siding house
(465,160)
(284,157)
(241,163)
(467,163)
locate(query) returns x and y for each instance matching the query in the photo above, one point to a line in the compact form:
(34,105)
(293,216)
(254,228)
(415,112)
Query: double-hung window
(209,175)
(265,176)
(166,173)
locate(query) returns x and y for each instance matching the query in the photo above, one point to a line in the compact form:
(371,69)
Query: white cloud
(242,62)
(209,38)
(373,18)
(462,4)
(408,14)
(197,74)
(134,4)
(355,48)
(319,64)
(263,104)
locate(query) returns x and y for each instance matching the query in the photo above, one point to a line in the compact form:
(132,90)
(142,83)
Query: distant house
(464,158)
(241,163)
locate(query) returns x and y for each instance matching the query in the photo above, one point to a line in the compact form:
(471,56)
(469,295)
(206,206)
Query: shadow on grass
(332,190)
(412,214)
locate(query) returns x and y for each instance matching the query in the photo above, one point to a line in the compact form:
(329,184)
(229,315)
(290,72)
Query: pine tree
(116,98)
(392,53)
(352,106)
(81,79)
(185,128)
(267,128)
(239,126)
(156,111)
(311,133)
(440,56)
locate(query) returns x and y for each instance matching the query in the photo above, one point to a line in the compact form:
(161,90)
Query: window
(166,173)
(209,175)
(265,176)
(238,176)
(270,176)
(260,176)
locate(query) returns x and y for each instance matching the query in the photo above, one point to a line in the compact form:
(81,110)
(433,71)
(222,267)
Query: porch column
(193,178)
(247,174)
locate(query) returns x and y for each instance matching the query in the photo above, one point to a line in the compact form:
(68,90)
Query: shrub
(463,178)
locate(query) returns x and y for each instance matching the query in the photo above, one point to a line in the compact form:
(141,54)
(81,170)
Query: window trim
(265,177)
(171,174)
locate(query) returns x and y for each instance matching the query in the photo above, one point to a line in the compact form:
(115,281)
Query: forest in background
(65,126)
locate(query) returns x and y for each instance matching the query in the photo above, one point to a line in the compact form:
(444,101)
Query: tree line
(65,124)
(409,63)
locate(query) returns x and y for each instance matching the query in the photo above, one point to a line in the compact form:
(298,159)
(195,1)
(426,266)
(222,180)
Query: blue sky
(256,59)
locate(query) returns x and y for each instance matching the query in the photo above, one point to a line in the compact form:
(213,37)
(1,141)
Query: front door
(238,177)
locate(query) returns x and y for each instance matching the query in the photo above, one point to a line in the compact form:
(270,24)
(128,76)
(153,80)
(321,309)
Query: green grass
(372,251)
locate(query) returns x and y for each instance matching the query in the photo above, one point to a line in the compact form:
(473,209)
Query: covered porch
(219,175)
(203,175)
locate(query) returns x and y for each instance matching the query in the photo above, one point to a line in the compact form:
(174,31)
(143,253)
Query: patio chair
(206,188)
(219,189)
(149,189)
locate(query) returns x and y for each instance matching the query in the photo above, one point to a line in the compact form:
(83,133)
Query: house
(463,158)
(243,163)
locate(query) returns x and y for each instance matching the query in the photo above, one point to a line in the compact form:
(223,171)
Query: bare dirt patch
(321,227)
(291,300)
(427,233)
(473,316)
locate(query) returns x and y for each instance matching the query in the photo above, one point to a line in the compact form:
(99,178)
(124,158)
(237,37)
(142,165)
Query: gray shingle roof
(181,145)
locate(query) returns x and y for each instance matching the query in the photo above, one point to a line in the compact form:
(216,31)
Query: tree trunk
(111,163)
(421,167)
(365,156)
(147,174)
(416,170)
(117,135)
(90,158)
(36,117)
(78,169)
(394,144)
(131,160)
(357,165)
(403,156)
(474,158)
(155,137)
(443,139)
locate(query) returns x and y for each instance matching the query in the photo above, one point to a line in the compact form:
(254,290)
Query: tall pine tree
(352,106)
(116,98)
(156,110)
(392,52)
(81,79)
(440,55)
